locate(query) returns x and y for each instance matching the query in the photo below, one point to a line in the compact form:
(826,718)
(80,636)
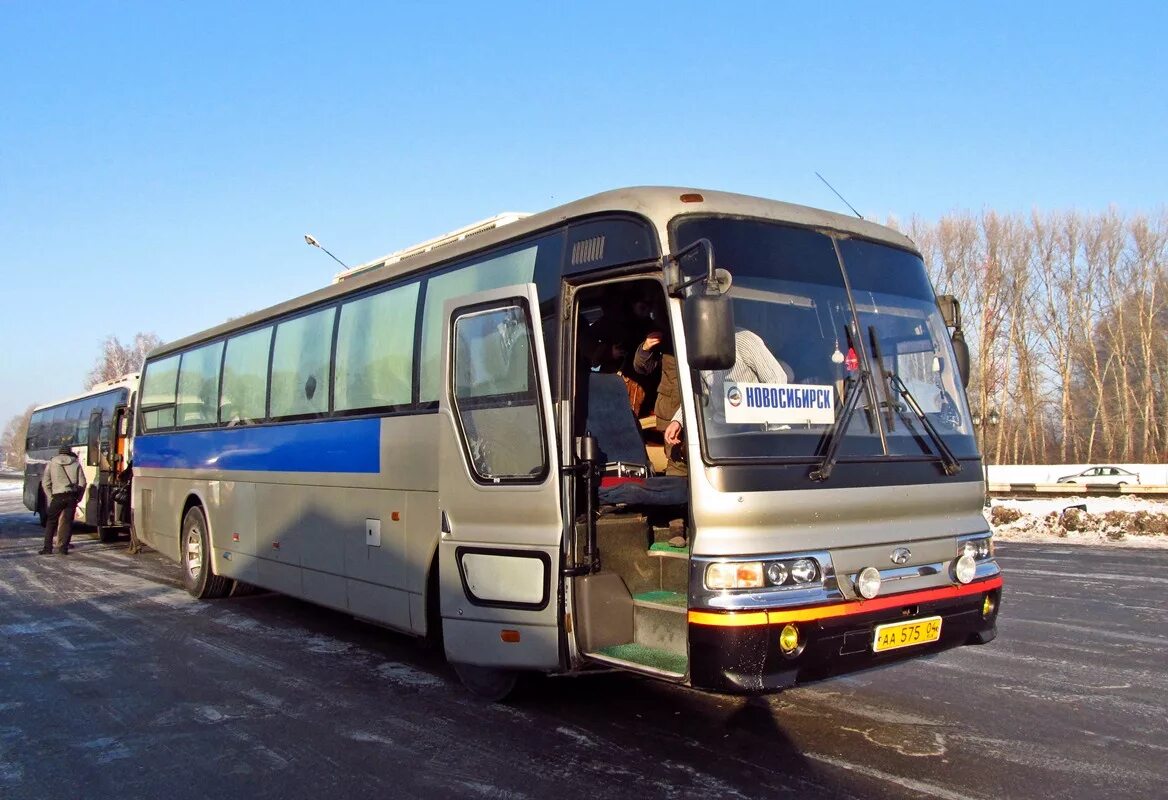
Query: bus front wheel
(488,683)
(198,576)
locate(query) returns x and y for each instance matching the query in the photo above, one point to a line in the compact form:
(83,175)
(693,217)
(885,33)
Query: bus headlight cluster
(979,549)
(762,574)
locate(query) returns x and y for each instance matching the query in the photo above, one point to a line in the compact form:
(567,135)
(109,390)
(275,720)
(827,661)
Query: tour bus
(96,425)
(434,444)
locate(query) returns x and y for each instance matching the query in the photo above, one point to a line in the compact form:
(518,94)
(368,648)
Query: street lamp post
(310,240)
(981,422)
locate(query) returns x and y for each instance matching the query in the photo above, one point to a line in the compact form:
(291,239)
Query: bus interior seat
(618,436)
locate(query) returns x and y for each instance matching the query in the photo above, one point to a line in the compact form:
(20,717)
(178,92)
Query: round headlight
(964,569)
(868,582)
(804,571)
(776,573)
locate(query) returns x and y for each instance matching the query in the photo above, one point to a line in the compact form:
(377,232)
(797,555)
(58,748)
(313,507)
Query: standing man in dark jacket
(64,483)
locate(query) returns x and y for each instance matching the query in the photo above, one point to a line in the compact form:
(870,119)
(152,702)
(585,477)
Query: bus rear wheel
(198,576)
(489,683)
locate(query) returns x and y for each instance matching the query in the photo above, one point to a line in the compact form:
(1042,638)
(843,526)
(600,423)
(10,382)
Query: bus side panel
(233,531)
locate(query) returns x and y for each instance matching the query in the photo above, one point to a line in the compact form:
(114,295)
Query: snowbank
(1122,521)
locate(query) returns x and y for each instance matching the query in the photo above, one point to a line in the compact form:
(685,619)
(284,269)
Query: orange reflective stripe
(728,620)
(740,619)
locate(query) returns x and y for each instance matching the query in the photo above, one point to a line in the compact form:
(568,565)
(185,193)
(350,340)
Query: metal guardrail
(1072,489)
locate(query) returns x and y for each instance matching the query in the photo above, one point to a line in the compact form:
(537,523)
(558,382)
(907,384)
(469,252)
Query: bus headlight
(980,549)
(868,582)
(735,575)
(804,571)
(776,573)
(964,568)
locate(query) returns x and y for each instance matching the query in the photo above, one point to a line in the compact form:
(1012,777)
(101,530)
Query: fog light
(987,606)
(804,571)
(965,568)
(789,639)
(868,582)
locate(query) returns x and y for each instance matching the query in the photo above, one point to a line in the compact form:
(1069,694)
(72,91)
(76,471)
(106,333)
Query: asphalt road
(116,684)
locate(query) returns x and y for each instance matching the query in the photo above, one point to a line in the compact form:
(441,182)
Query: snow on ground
(1122,521)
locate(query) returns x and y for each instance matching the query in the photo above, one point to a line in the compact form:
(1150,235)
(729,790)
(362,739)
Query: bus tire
(198,576)
(108,533)
(42,511)
(489,683)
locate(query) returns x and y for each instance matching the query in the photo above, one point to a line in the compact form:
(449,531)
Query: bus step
(650,657)
(665,550)
(659,621)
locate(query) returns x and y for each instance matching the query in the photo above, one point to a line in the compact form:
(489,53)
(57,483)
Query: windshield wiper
(949,461)
(835,435)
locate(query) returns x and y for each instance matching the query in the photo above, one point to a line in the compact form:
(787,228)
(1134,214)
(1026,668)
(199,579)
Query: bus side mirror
(961,354)
(94,438)
(950,310)
(706,313)
(708,320)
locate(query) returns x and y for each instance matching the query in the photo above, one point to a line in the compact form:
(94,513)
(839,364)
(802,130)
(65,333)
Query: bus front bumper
(739,653)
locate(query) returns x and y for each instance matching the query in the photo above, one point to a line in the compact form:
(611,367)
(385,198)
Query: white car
(1102,476)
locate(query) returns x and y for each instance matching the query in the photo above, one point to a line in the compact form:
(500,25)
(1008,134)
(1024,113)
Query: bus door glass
(498,485)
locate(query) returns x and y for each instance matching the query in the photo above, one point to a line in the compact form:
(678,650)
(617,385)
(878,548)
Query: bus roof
(127,381)
(656,203)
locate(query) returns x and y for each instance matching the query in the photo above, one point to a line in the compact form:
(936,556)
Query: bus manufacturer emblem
(901,555)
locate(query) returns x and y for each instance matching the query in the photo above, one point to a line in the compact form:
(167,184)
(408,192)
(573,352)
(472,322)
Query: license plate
(896,635)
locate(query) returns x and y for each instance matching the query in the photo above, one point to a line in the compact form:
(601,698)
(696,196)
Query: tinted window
(245,378)
(494,395)
(300,365)
(505,270)
(158,393)
(36,437)
(198,386)
(375,350)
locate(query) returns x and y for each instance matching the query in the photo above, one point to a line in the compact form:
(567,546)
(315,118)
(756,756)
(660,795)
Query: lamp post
(309,239)
(981,422)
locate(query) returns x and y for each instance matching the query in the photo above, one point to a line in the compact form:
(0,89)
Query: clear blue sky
(160,162)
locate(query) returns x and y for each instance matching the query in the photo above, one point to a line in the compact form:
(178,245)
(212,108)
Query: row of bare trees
(1066,315)
(115,360)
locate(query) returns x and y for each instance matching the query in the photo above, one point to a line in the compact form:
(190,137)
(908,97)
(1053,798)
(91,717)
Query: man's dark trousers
(61,510)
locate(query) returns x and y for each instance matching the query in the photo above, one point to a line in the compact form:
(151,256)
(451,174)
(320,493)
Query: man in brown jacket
(64,484)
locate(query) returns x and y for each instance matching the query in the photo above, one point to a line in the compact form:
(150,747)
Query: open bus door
(498,492)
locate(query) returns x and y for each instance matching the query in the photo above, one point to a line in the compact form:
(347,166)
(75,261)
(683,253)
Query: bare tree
(13,439)
(117,359)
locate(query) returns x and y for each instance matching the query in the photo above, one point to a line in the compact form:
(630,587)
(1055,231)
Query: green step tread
(663,598)
(665,547)
(648,657)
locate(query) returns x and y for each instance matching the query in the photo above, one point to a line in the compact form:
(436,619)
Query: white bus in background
(96,425)
(425,444)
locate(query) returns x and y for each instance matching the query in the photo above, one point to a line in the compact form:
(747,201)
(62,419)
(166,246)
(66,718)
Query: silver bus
(475,443)
(96,425)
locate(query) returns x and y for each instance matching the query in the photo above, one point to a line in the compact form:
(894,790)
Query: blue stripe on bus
(351,445)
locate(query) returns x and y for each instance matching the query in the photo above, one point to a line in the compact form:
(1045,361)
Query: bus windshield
(802,347)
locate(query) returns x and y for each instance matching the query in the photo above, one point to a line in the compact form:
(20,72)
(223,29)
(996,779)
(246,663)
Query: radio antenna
(840,196)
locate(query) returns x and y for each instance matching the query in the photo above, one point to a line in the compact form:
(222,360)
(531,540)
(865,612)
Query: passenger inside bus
(753,363)
(628,338)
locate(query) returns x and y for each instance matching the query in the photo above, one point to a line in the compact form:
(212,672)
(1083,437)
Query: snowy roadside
(1121,521)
